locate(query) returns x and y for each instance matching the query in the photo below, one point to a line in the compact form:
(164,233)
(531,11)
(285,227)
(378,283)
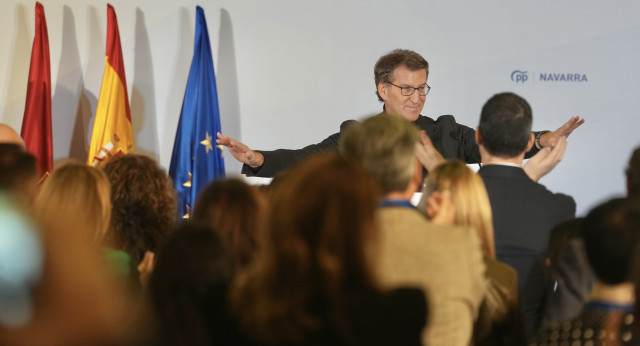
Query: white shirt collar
(503,164)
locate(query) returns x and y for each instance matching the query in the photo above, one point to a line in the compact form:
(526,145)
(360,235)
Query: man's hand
(427,154)
(548,139)
(241,152)
(546,159)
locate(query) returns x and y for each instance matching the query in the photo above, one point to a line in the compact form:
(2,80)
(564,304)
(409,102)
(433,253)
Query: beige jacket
(445,261)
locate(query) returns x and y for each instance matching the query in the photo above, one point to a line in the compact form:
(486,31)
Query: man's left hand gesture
(548,139)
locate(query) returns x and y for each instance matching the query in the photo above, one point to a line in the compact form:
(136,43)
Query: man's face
(409,107)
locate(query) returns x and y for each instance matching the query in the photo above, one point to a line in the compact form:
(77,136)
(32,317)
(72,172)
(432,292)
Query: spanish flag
(112,132)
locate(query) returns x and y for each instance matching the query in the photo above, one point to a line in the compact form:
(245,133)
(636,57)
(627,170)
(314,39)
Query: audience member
(9,135)
(276,181)
(18,174)
(21,262)
(76,301)
(611,232)
(524,212)
(191,270)
(633,174)
(312,282)
(454,195)
(234,209)
(401,84)
(446,261)
(144,205)
(74,187)
(81,192)
(570,276)
(634,277)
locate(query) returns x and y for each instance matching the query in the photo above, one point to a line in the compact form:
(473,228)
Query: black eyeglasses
(408,91)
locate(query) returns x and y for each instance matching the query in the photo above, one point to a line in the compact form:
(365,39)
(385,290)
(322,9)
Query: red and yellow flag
(36,124)
(112,132)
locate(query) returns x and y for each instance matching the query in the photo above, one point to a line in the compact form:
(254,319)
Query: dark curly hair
(144,205)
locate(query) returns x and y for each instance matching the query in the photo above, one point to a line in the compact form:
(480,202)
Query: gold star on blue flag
(207,142)
(199,121)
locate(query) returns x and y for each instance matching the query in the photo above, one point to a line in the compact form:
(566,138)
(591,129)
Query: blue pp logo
(519,76)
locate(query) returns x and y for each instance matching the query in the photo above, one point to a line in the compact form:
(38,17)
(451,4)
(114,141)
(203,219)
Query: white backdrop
(290,71)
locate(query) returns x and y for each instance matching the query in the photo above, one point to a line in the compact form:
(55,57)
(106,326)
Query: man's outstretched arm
(268,163)
(241,152)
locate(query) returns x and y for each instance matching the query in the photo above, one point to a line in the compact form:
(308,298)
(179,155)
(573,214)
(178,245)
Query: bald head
(9,135)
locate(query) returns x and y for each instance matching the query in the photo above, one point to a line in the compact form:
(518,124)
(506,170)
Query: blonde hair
(77,191)
(469,197)
(385,145)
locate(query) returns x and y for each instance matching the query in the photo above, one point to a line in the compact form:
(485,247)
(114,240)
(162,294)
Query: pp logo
(519,76)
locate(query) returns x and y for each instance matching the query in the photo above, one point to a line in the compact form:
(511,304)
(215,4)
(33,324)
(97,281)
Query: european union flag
(196,160)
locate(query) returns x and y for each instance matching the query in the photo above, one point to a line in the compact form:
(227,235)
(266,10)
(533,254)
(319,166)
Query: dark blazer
(396,317)
(452,140)
(524,212)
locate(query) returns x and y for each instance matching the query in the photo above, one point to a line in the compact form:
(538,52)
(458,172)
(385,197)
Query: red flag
(112,132)
(36,124)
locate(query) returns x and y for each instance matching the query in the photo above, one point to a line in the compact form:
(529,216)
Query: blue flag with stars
(196,160)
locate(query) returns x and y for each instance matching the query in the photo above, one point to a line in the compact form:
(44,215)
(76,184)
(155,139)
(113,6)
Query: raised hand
(549,138)
(546,159)
(240,151)
(427,154)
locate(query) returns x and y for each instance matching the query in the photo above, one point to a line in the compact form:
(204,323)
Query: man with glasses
(401,81)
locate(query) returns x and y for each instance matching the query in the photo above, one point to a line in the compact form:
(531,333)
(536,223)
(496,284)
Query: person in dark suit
(524,212)
(401,84)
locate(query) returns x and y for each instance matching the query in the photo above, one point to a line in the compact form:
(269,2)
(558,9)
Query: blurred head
(385,146)
(235,210)
(18,173)
(144,204)
(192,261)
(74,272)
(9,135)
(404,68)
(611,232)
(79,191)
(505,125)
(318,243)
(561,235)
(452,184)
(633,174)
(21,262)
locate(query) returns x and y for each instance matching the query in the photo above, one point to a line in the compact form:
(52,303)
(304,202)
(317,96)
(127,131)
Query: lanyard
(602,305)
(395,203)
